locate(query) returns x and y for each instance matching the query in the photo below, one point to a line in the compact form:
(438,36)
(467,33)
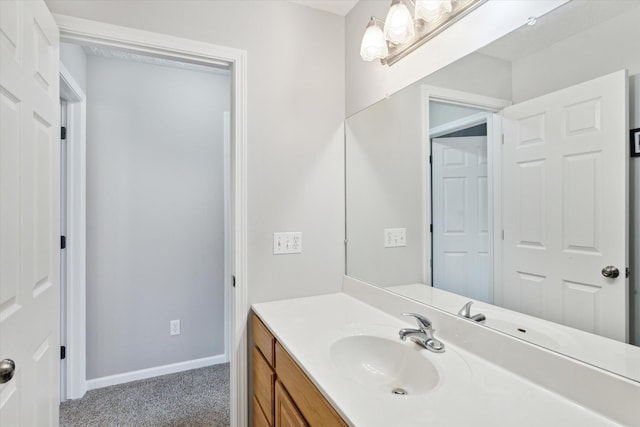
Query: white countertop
(472,392)
(614,356)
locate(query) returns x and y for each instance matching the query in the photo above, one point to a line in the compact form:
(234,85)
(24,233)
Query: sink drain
(399,391)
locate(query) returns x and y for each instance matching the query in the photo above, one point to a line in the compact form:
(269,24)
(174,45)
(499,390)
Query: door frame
(492,106)
(75,295)
(83,31)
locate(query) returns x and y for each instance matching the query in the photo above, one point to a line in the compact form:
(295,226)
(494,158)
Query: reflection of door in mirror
(460,215)
(565,179)
(558,209)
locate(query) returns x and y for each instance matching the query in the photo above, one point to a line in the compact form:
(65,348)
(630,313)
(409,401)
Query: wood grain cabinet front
(263,385)
(287,415)
(284,393)
(259,418)
(263,339)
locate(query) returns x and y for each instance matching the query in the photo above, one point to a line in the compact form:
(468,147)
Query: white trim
(460,124)
(465,99)
(155,44)
(240,304)
(71,92)
(494,158)
(426,190)
(494,154)
(226,123)
(143,374)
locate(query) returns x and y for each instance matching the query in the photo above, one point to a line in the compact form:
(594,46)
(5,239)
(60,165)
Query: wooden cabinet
(259,418)
(287,415)
(263,384)
(283,394)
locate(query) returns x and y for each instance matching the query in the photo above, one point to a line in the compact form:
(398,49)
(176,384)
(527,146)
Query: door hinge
(233,281)
(502,234)
(63,242)
(63,352)
(627,272)
(431,228)
(63,132)
(430,159)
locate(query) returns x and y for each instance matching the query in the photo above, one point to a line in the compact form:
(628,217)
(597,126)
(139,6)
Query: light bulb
(374,45)
(398,27)
(432,10)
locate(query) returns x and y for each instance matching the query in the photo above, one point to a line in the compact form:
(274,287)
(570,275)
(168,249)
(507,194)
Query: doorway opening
(158,46)
(462,192)
(461,230)
(157,215)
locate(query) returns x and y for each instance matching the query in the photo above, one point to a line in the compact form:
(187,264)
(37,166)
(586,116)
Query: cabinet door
(259,418)
(287,415)
(263,379)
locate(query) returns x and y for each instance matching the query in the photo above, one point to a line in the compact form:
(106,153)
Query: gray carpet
(199,397)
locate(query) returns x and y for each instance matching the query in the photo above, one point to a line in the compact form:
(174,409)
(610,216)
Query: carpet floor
(199,397)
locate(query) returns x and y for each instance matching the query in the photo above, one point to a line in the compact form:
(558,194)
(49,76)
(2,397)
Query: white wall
(384,190)
(441,113)
(155,214)
(369,82)
(74,58)
(602,49)
(475,73)
(295,115)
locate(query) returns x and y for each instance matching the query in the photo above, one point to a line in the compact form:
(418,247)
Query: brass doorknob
(610,271)
(7,369)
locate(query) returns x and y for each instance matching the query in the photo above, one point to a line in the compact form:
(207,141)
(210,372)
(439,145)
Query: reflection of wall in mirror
(384,190)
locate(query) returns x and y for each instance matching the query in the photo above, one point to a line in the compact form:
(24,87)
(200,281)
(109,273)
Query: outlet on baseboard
(174,327)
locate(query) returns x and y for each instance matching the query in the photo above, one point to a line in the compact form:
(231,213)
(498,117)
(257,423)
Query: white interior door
(461,260)
(29,213)
(565,206)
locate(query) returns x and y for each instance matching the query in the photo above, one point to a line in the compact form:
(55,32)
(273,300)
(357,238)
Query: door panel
(565,183)
(29,213)
(461,261)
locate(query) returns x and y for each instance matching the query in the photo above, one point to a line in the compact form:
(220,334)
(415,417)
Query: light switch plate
(287,243)
(395,237)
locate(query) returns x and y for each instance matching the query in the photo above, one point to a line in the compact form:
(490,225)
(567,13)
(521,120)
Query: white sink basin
(384,364)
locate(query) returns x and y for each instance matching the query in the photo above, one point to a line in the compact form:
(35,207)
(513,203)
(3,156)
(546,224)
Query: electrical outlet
(174,327)
(287,243)
(395,237)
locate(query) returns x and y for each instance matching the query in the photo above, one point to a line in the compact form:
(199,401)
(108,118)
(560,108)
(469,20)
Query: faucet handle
(423,322)
(466,310)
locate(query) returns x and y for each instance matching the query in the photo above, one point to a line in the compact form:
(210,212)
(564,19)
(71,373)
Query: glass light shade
(374,45)
(398,27)
(432,10)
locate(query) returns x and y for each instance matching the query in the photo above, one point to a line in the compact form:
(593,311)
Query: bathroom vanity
(283,394)
(337,360)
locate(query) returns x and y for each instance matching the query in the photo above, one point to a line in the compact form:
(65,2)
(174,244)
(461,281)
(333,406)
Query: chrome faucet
(466,313)
(423,336)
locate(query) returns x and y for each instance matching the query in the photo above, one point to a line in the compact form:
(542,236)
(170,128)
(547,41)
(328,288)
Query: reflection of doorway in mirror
(460,214)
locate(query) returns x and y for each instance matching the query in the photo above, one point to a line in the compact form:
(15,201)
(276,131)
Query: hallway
(199,397)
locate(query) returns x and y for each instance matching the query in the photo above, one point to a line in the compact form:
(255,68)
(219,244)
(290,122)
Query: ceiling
(338,7)
(569,19)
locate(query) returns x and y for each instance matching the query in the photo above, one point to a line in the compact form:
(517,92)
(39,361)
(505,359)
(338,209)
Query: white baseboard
(155,372)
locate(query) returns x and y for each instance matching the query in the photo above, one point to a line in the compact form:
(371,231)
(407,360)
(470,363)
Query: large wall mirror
(503,179)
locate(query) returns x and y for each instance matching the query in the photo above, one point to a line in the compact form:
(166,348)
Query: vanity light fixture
(408,25)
